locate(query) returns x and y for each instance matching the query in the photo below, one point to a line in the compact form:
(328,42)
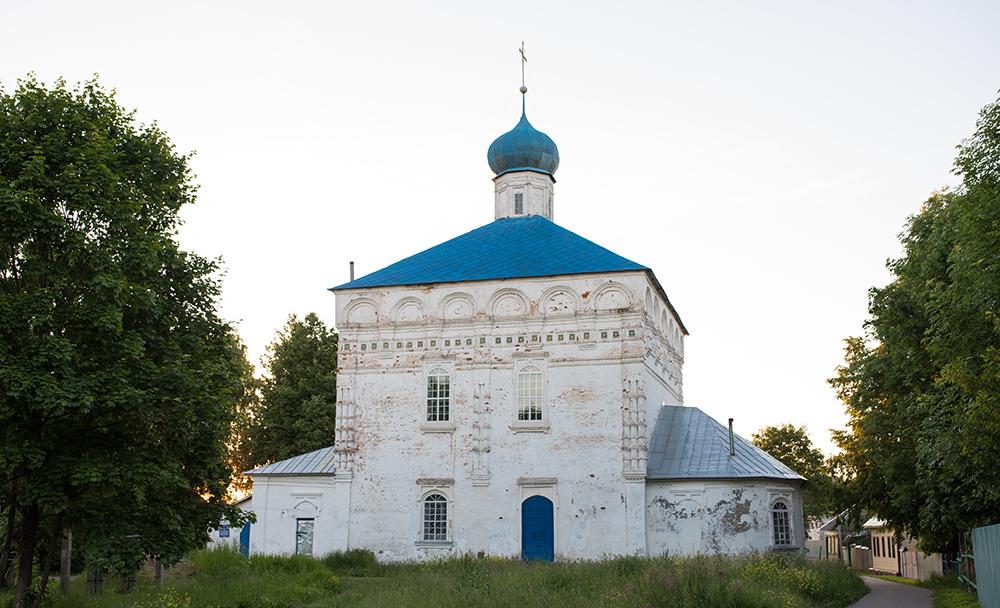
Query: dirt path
(887,594)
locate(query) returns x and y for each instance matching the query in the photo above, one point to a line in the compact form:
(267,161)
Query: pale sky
(761,157)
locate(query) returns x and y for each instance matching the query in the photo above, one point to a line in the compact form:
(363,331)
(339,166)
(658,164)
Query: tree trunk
(43,582)
(8,536)
(128,582)
(95,581)
(158,571)
(29,534)
(65,561)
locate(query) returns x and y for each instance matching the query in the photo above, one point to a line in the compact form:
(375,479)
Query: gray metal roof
(689,444)
(319,462)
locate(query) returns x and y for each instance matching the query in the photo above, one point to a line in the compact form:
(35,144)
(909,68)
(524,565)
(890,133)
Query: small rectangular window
(518,204)
(438,396)
(304,536)
(529,394)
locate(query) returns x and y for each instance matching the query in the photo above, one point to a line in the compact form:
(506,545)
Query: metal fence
(984,560)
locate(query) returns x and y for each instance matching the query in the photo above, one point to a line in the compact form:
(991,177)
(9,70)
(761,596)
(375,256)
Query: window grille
(438,396)
(518,203)
(529,394)
(780,524)
(435,518)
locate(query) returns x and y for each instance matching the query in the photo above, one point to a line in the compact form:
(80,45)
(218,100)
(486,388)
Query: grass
(947,593)
(224,579)
(954,598)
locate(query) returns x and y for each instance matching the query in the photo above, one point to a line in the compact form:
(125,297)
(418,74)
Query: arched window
(529,394)
(438,395)
(435,518)
(780,524)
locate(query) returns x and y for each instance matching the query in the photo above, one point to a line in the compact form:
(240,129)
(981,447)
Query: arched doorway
(537,530)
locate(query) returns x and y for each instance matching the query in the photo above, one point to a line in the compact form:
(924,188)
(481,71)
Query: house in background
(838,541)
(233,537)
(903,557)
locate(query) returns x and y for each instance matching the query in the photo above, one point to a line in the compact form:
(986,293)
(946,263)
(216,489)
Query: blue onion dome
(523,148)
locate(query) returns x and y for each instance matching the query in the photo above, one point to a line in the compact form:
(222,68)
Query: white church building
(517,391)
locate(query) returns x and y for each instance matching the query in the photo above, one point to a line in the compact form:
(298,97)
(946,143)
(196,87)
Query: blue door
(537,537)
(245,540)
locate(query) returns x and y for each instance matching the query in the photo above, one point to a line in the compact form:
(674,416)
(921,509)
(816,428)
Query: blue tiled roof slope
(507,248)
(317,462)
(689,444)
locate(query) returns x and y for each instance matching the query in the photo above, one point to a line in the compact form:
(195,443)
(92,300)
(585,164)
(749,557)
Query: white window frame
(434,540)
(447,425)
(786,510)
(530,425)
(518,210)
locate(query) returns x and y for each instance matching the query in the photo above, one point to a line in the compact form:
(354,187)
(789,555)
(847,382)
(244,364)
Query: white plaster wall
(233,541)
(589,333)
(280,500)
(688,517)
(536,188)
(216,542)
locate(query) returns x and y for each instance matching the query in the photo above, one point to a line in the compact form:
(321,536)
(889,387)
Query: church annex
(517,391)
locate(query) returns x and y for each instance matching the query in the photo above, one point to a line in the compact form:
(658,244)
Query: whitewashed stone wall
(280,500)
(611,352)
(690,517)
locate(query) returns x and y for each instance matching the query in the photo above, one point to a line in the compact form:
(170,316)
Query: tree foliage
(792,446)
(118,377)
(922,386)
(299,392)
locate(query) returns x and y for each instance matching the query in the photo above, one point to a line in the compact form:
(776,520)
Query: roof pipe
(352,270)
(732,444)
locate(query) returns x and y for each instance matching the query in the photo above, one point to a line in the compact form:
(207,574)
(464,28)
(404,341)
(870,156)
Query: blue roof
(508,248)
(523,148)
(317,462)
(689,444)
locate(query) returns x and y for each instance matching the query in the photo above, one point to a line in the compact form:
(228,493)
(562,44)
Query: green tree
(118,377)
(792,446)
(922,386)
(246,414)
(299,392)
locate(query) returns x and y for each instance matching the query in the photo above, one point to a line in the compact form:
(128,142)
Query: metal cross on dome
(524,60)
